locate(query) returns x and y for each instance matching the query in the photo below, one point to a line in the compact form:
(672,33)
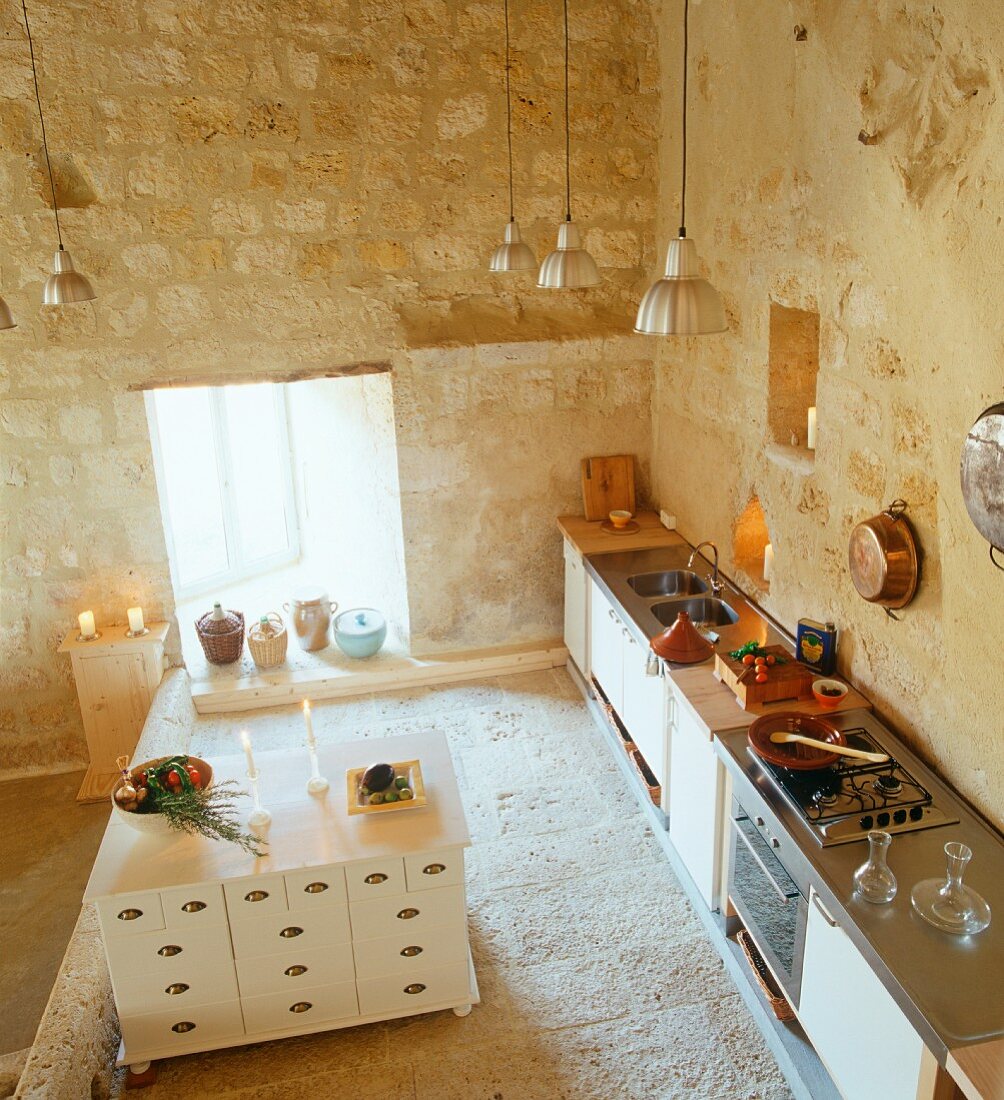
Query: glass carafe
(947,903)
(873,880)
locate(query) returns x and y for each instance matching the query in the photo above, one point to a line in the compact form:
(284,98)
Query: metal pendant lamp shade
(6,320)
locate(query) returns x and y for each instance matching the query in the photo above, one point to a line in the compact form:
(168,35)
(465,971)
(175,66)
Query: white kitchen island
(346,919)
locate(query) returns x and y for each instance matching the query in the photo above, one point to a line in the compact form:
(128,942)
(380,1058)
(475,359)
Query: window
(224,475)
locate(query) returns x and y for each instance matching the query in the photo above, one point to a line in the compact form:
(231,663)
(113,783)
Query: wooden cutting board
(607,485)
(790,680)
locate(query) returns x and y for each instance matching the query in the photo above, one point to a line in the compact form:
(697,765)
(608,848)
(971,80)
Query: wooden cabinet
(116,678)
(577,610)
(868,1046)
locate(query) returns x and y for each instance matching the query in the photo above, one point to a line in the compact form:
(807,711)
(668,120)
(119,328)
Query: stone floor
(596,979)
(49,844)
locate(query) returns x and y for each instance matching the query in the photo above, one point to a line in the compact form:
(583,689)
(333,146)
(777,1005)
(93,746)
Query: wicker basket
(267,640)
(764,978)
(222,639)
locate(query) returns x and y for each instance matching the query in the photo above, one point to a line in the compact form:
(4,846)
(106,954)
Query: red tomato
(771,659)
(193,774)
(760,660)
(761,677)
(172,778)
(139,779)
(748,659)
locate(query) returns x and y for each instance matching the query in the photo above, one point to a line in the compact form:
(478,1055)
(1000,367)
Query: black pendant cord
(508,112)
(568,132)
(683,188)
(41,119)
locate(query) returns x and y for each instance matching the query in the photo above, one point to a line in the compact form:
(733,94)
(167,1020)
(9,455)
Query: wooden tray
(411,768)
(790,680)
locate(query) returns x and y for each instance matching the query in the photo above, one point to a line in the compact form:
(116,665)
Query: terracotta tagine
(682,642)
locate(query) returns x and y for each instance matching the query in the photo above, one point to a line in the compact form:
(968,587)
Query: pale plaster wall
(897,244)
(271,186)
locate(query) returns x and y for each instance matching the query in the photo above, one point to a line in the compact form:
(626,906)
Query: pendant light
(513,254)
(569,265)
(682,303)
(65,285)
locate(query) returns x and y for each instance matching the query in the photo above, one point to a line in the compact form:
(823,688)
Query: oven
(764,893)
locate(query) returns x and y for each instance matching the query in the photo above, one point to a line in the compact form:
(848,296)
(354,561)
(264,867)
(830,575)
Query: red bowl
(829,702)
(795,756)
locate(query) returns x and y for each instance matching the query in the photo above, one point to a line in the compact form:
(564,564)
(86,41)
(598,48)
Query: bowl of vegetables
(829,693)
(139,795)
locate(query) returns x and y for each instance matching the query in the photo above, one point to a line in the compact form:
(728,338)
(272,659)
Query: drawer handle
(291,933)
(193,907)
(315,887)
(411,952)
(823,913)
(301,1006)
(434,869)
(407,914)
(169,950)
(130,914)
(295,971)
(183,1027)
(415,987)
(176,988)
(375,880)
(256,895)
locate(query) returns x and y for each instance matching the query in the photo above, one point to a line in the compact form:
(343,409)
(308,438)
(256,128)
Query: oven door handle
(785,898)
(822,911)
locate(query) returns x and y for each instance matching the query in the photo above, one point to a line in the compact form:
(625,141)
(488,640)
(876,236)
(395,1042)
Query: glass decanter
(873,880)
(946,903)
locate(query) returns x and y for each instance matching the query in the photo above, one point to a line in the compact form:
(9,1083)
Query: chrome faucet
(716,584)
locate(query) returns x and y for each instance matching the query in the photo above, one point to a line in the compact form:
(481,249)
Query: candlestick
(87,630)
(246,742)
(316,783)
(308,720)
(768,561)
(258,817)
(136,626)
(810,440)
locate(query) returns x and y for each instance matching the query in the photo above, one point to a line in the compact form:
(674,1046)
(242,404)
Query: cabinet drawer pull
(610,612)
(291,933)
(411,952)
(823,913)
(434,869)
(415,987)
(130,914)
(315,887)
(301,1006)
(375,880)
(256,895)
(193,907)
(294,971)
(183,1027)
(176,988)
(169,950)
(407,914)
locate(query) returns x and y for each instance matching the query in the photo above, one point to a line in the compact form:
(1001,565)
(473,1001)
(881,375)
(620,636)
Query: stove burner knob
(866,822)
(916,813)
(899,817)
(883,819)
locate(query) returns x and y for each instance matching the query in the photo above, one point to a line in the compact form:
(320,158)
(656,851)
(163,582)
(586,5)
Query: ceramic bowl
(155,823)
(360,632)
(828,702)
(620,518)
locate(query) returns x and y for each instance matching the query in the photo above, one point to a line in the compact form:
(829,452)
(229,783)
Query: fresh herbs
(753,649)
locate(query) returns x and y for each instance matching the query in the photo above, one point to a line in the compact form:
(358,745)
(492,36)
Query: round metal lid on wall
(982,475)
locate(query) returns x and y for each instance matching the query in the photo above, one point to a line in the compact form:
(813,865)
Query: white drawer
(413,912)
(189,983)
(316,887)
(313,1004)
(408,952)
(295,969)
(181,1030)
(428,870)
(375,878)
(161,954)
(399,993)
(290,933)
(196,906)
(129,914)
(255,896)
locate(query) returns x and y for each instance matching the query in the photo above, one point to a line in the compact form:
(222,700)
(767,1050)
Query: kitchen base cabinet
(577,609)
(866,1043)
(606,647)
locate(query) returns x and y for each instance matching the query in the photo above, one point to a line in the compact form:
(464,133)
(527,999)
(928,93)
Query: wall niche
(791,379)
(750,539)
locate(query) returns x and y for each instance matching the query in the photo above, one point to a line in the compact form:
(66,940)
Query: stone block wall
(272,187)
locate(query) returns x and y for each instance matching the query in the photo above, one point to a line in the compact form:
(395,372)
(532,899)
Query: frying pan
(794,756)
(982,475)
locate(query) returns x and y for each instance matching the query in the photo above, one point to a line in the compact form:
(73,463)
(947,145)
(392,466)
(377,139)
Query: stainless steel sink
(668,582)
(703,611)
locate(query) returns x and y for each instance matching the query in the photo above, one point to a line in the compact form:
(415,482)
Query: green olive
(404,794)
(390,796)
(376,798)
(401,782)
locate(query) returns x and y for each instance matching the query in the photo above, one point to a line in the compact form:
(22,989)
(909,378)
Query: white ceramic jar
(310,613)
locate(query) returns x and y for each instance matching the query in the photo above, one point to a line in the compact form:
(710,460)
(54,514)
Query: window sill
(800,460)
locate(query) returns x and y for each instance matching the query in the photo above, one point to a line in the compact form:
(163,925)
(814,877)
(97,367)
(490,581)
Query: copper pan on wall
(883,559)
(982,475)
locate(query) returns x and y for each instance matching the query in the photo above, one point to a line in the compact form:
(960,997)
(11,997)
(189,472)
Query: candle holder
(316,784)
(259,817)
(137,633)
(89,637)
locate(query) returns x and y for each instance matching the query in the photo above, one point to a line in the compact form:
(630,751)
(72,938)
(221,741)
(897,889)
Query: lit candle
(135,619)
(86,621)
(768,561)
(311,741)
(810,440)
(246,742)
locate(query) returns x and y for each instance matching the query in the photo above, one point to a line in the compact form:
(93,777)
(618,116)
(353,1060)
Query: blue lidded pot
(360,631)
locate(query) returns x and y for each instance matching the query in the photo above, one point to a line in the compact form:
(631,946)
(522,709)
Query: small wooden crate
(787,680)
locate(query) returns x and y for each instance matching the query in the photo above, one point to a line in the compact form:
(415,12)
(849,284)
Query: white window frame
(238,570)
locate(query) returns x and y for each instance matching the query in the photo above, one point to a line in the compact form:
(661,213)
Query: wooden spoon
(783,738)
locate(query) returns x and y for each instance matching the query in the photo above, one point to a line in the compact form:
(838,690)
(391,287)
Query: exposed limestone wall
(273,185)
(894,238)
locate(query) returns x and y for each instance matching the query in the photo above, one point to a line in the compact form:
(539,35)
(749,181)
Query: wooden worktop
(979,1070)
(590,538)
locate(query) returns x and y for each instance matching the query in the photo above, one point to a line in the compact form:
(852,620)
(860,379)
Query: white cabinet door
(606,647)
(576,610)
(866,1043)
(645,709)
(696,786)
